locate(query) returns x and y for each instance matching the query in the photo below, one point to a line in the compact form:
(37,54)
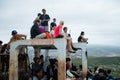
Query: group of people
(99,73)
(39,30)
(39,72)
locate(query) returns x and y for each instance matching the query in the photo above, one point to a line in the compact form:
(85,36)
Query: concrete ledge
(59,44)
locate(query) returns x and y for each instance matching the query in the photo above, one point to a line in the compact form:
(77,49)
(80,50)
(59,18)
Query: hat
(14,32)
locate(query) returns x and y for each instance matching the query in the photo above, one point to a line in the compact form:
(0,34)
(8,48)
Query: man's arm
(48,18)
(11,39)
(23,36)
(84,39)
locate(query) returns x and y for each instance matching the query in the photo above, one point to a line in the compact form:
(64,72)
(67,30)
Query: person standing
(5,58)
(44,20)
(0,45)
(53,24)
(1,50)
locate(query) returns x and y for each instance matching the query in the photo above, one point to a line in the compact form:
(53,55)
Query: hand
(50,78)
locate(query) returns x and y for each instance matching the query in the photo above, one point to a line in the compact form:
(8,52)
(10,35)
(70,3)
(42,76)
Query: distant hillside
(101,50)
(93,50)
(97,61)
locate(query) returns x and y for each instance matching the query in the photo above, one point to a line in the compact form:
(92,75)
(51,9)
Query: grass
(112,63)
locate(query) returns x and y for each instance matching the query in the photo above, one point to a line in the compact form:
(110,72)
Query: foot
(71,51)
(74,48)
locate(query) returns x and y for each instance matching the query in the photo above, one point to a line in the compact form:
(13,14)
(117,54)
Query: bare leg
(69,46)
(36,51)
(43,35)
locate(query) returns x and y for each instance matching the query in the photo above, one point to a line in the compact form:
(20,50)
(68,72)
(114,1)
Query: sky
(99,19)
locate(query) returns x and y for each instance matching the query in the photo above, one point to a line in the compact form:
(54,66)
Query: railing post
(37,51)
(13,66)
(61,51)
(46,60)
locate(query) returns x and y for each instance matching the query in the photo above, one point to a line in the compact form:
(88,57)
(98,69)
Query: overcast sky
(100,19)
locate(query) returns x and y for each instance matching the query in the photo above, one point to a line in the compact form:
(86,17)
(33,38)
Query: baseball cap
(14,32)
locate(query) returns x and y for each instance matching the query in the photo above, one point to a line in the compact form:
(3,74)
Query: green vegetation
(112,63)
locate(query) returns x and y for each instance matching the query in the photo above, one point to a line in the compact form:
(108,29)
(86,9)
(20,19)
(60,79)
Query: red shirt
(57,31)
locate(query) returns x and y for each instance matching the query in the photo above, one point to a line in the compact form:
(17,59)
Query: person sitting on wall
(38,33)
(52,32)
(58,30)
(15,37)
(53,24)
(81,38)
(37,18)
(69,40)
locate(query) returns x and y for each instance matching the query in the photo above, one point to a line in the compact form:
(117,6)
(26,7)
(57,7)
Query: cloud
(99,19)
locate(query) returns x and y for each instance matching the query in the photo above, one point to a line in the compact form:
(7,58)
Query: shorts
(46,28)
